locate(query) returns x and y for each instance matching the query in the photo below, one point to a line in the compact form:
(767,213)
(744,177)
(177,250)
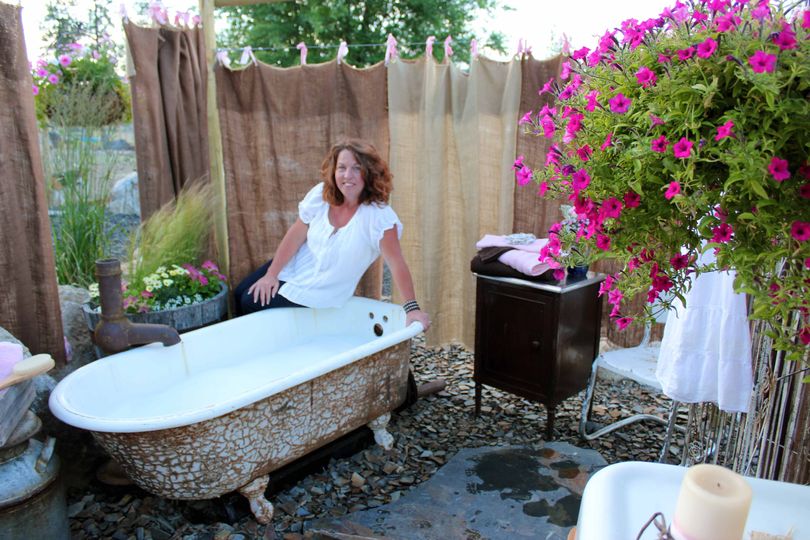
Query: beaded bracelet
(410,305)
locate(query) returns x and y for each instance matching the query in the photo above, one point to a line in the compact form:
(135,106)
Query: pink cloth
(524,262)
(522,257)
(10,354)
(495,240)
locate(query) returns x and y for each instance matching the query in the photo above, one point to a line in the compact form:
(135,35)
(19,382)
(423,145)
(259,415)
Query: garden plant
(683,136)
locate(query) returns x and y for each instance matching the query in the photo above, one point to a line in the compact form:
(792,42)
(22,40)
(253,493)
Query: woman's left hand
(418,315)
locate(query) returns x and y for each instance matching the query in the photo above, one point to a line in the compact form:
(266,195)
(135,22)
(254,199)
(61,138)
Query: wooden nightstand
(536,340)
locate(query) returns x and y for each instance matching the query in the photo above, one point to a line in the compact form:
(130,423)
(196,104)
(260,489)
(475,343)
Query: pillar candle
(712,505)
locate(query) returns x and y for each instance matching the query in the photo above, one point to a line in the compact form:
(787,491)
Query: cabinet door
(515,334)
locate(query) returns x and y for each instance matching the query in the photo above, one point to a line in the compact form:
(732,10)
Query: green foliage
(285,24)
(178,233)
(739,98)
(78,180)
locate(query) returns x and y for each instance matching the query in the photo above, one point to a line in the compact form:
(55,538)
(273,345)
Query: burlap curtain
(452,148)
(168,111)
(534,214)
(29,302)
(277,125)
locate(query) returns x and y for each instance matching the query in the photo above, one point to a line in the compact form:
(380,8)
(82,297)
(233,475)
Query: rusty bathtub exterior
(239,399)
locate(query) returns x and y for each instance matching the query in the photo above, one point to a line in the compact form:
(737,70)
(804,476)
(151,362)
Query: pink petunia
(580,180)
(679,262)
(35,89)
(722,233)
(656,121)
(786,39)
(524,175)
(546,87)
(762,62)
(64,60)
(682,148)
(623,322)
(584,152)
(608,142)
(559,274)
(42,73)
(800,230)
(706,48)
(761,11)
(53,78)
(646,77)
(724,131)
(806,19)
(547,122)
(527,119)
(611,208)
(778,168)
(632,199)
(603,242)
(726,22)
(619,104)
(804,191)
(673,189)
(542,188)
(664,59)
(592,103)
(660,144)
(615,297)
(685,54)
(579,54)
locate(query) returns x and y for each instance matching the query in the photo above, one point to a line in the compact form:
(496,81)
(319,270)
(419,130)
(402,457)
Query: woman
(344,224)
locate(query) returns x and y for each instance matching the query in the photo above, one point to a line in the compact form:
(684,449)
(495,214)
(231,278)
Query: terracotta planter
(182,319)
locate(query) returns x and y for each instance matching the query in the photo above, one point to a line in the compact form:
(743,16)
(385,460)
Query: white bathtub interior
(222,367)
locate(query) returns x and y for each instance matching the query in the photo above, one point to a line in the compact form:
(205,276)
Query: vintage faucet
(115,333)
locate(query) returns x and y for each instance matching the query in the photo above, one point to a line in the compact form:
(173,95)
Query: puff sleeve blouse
(327,268)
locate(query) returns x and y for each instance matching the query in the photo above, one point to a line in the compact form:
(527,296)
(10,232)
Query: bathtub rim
(61,408)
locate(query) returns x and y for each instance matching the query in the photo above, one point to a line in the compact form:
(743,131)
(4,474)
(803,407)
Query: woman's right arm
(267,286)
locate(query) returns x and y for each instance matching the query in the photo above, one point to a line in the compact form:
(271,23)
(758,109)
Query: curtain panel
(277,126)
(452,149)
(168,111)
(29,303)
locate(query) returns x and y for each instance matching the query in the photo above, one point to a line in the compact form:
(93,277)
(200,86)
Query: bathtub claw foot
(254,492)
(381,435)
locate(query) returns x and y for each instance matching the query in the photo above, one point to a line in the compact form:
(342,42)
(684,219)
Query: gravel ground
(427,435)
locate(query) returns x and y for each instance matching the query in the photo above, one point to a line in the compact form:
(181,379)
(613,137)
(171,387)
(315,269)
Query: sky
(540,22)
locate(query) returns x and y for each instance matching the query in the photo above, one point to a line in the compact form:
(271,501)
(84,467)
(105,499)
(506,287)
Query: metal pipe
(115,332)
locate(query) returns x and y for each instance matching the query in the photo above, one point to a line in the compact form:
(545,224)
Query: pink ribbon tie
(429,46)
(303,48)
(390,49)
(448,50)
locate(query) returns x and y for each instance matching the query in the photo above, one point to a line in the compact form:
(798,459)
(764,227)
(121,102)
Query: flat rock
(506,492)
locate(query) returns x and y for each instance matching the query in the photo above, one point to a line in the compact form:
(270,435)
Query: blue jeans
(244,301)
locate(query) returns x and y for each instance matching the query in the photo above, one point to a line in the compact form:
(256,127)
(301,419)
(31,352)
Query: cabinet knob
(535,344)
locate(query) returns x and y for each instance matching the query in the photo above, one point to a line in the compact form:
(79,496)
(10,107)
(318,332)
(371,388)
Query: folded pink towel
(10,354)
(524,262)
(495,240)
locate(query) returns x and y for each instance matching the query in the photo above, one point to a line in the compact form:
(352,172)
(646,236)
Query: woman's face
(349,176)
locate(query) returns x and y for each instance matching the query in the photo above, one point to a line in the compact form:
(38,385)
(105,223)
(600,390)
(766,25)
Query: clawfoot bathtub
(234,401)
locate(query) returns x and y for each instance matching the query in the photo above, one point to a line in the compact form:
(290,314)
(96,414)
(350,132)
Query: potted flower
(164,283)
(681,134)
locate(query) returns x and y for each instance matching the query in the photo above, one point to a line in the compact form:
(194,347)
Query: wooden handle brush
(25,369)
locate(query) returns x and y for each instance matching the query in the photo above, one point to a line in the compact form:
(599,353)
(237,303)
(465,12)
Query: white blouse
(327,268)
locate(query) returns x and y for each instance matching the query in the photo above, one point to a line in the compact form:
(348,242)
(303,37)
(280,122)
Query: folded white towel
(497,240)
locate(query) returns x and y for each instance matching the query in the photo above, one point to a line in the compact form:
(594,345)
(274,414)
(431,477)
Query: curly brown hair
(377,177)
